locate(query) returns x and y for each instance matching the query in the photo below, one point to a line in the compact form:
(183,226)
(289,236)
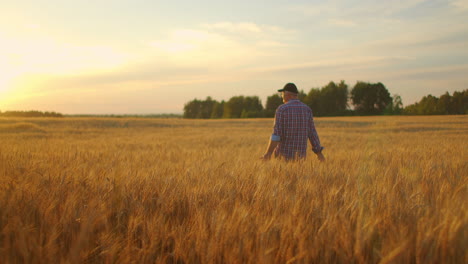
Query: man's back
(294,124)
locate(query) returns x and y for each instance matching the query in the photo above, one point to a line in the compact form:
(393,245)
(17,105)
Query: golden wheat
(72,190)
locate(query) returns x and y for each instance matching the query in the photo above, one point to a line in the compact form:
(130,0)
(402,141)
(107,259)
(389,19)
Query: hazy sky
(151,56)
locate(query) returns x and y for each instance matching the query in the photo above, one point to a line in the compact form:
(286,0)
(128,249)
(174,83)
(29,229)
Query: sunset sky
(142,56)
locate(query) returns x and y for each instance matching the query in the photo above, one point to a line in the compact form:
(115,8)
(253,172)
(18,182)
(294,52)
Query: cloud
(196,47)
(184,57)
(313,9)
(272,44)
(29,61)
(184,40)
(43,54)
(223,44)
(350,12)
(460,5)
(389,8)
(342,23)
(235,27)
(422,39)
(246,28)
(336,63)
(32,26)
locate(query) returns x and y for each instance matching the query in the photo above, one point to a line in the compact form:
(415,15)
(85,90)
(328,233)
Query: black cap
(290,87)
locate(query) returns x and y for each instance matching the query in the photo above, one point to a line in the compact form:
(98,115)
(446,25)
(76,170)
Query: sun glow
(27,61)
(5,83)
(8,82)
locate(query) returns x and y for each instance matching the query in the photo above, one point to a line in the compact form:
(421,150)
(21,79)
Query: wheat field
(102,190)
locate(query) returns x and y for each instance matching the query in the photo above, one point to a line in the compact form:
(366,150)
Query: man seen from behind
(293,127)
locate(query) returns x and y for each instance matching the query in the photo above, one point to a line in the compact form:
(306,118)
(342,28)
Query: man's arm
(320,156)
(275,137)
(314,139)
(271,147)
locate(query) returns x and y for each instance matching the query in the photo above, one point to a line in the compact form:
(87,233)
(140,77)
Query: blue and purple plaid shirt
(294,125)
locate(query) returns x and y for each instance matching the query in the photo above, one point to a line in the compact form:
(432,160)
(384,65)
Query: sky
(151,56)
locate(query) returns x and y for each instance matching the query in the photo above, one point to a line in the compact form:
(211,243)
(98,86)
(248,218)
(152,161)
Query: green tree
(313,100)
(272,104)
(252,106)
(199,109)
(233,107)
(192,109)
(32,113)
(460,102)
(330,100)
(428,105)
(370,99)
(444,104)
(301,95)
(334,99)
(217,111)
(241,107)
(395,107)
(207,108)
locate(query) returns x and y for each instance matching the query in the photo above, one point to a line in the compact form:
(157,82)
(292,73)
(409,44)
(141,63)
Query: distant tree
(233,108)
(192,109)
(248,114)
(252,107)
(207,107)
(411,109)
(334,98)
(301,95)
(395,107)
(32,113)
(199,109)
(370,99)
(428,105)
(313,100)
(272,104)
(330,100)
(443,105)
(218,109)
(460,102)
(242,107)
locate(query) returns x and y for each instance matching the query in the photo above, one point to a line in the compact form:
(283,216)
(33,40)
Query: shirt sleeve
(313,136)
(277,127)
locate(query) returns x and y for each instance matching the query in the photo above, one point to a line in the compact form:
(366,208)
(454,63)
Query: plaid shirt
(294,124)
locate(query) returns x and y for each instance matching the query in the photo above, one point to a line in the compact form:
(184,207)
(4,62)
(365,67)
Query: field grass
(74,190)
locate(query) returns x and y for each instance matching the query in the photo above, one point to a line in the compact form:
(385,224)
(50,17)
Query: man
(294,125)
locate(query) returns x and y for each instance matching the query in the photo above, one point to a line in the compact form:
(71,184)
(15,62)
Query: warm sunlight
(7,78)
(25,62)
(146,48)
(188,131)
(4,83)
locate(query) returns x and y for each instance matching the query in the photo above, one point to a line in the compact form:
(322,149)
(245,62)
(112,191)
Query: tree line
(32,113)
(446,104)
(333,99)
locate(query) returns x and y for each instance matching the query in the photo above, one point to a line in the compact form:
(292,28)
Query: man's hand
(320,157)
(271,147)
(266,156)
